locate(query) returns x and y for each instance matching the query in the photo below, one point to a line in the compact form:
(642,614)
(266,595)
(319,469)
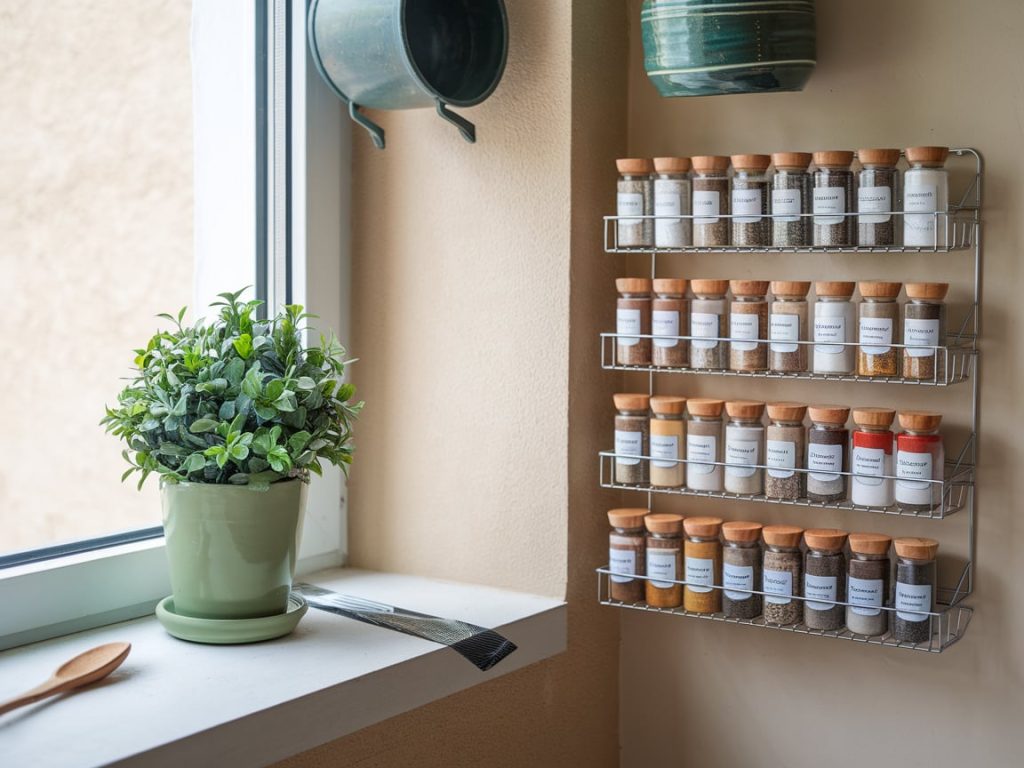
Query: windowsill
(175,703)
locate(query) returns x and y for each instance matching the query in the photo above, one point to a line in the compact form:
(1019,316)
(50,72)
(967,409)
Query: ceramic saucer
(230,631)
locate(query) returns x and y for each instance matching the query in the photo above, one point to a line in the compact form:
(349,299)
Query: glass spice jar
(867,584)
(827,442)
(664,560)
(741,570)
(877,196)
(626,555)
(751,226)
(878,318)
(748,325)
(920,458)
(704,444)
(924,325)
(632,438)
(672,199)
(824,579)
(871,458)
(788,323)
(668,441)
(744,442)
(835,329)
(635,198)
(633,316)
(785,448)
(709,322)
(833,200)
(670,317)
(710,201)
(915,589)
(926,191)
(703,562)
(791,197)
(782,574)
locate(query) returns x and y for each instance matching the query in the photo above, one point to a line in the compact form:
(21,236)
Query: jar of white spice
(635,199)
(744,447)
(788,324)
(926,191)
(704,444)
(835,329)
(672,199)
(709,322)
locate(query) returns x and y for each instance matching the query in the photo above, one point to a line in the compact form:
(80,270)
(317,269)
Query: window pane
(96,216)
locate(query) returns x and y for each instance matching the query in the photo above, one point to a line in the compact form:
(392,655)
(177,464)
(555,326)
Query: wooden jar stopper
(786,411)
(705,163)
(670,286)
(837,159)
(709,287)
(791,289)
(879,418)
(920,421)
(741,531)
(915,548)
(627,517)
(705,406)
(633,285)
(664,524)
(834,289)
(930,157)
(878,158)
(791,161)
(634,166)
(749,287)
(671,164)
(825,539)
(829,414)
(667,405)
(870,543)
(630,401)
(879,289)
(756,163)
(744,409)
(782,535)
(927,291)
(702,527)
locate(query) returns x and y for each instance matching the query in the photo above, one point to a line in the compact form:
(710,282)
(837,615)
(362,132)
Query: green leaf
(239,452)
(203,425)
(233,371)
(252,383)
(305,383)
(285,403)
(227,410)
(265,412)
(171,449)
(346,392)
(194,463)
(243,345)
(298,441)
(273,390)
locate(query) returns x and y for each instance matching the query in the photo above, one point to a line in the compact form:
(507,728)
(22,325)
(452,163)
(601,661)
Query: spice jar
(672,198)
(709,322)
(751,225)
(915,589)
(704,443)
(826,452)
(667,441)
(703,553)
(633,315)
(788,323)
(744,438)
(664,560)
(710,201)
(626,555)
(833,200)
(635,198)
(924,325)
(824,579)
(791,197)
(741,570)
(926,190)
(867,584)
(878,317)
(877,194)
(919,458)
(670,317)
(785,448)
(748,324)
(835,329)
(632,438)
(871,458)
(782,574)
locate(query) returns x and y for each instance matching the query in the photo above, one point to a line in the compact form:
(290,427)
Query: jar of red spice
(872,458)
(919,459)
(664,560)
(626,554)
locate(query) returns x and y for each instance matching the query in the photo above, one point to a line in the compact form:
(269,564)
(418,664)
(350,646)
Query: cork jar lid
(751,162)
(633,285)
(796,289)
(833,158)
(874,417)
(920,421)
(870,543)
(749,287)
(825,539)
(634,165)
(664,523)
(916,548)
(629,401)
(785,411)
(782,535)
(834,288)
(666,405)
(670,286)
(886,158)
(791,161)
(932,157)
(829,414)
(627,517)
(927,291)
(744,409)
(704,406)
(742,531)
(671,164)
(879,289)
(702,527)
(705,163)
(709,287)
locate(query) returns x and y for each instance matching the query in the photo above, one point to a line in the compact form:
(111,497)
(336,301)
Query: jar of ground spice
(670,317)
(710,201)
(751,226)
(791,197)
(748,325)
(741,570)
(915,589)
(744,447)
(827,442)
(877,196)
(926,190)
(704,444)
(632,438)
(635,198)
(668,441)
(871,459)
(626,555)
(703,561)
(835,329)
(672,199)
(664,560)
(924,326)
(824,579)
(787,324)
(878,318)
(832,200)
(785,449)
(782,574)
(867,584)
(633,316)
(709,321)
(920,458)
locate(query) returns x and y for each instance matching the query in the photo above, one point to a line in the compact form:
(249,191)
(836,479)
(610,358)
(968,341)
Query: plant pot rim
(233,486)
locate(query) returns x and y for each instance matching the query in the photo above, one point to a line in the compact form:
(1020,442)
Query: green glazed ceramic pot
(231,549)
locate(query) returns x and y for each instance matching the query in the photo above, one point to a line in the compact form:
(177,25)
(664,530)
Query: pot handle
(375,131)
(466,128)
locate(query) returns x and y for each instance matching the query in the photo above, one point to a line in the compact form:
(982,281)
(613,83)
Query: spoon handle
(51,687)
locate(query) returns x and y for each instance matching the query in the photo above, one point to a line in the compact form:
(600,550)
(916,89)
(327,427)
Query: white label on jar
(630,204)
(868,465)
(913,469)
(739,577)
(627,321)
(820,587)
(704,324)
(621,561)
(701,448)
(700,574)
(829,329)
(778,587)
(865,596)
(664,447)
(875,335)
(921,332)
(661,563)
(913,601)
(784,328)
(824,460)
(781,456)
(829,200)
(746,205)
(706,206)
(920,199)
(874,200)
(667,232)
(628,444)
(739,452)
(665,322)
(786,204)
(745,326)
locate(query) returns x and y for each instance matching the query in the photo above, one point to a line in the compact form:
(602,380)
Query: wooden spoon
(88,667)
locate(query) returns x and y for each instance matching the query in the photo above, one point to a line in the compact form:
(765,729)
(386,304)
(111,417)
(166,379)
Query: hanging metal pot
(409,54)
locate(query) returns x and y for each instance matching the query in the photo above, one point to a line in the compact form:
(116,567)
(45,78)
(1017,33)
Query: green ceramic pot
(231,549)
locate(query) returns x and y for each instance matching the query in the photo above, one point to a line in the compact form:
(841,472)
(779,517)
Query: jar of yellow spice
(703,562)
(664,560)
(668,441)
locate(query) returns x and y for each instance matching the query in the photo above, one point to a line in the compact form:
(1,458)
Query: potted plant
(233,416)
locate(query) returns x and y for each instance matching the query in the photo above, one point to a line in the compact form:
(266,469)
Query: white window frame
(311,160)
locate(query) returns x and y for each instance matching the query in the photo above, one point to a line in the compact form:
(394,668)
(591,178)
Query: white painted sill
(174,703)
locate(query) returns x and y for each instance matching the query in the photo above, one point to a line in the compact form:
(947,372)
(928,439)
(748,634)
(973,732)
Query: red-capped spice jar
(919,458)
(872,458)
